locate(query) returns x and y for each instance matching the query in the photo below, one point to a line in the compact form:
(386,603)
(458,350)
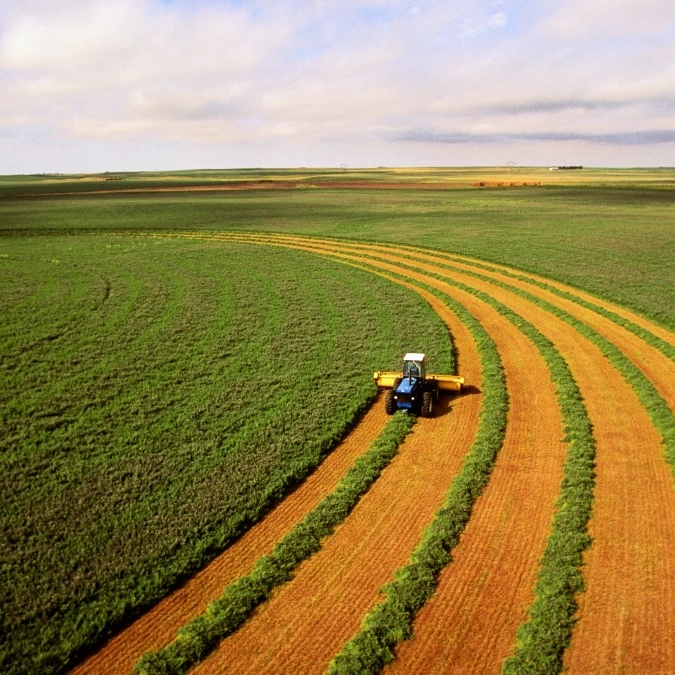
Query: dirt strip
(159,625)
(656,366)
(627,616)
(484,595)
(310,618)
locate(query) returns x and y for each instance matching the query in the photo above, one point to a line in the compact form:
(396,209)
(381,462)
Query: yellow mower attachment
(385,380)
(448,382)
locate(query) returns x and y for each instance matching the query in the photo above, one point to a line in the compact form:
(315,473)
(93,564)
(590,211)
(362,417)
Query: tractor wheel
(397,381)
(389,402)
(427,404)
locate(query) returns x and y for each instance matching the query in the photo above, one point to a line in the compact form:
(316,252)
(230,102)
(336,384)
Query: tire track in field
(309,619)
(159,625)
(627,611)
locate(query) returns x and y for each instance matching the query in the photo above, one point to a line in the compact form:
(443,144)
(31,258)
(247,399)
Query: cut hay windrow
(626,366)
(309,619)
(643,333)
(239,600)
(554,650)
(390,621)
(650,338)
(658,408)
(543,639)
(560,578)
(150,414)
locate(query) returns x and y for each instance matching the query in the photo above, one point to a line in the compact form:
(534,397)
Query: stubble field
(179,371)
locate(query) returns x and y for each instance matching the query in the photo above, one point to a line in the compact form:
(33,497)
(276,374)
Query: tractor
(413,389)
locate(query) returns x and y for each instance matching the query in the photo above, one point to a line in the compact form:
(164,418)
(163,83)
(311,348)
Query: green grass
(611,236)
(157,397)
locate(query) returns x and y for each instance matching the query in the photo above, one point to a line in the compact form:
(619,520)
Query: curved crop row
(659,409)
(413,584)
(623,365)
(390,622)
(228,612)
(377,534)
(546,635)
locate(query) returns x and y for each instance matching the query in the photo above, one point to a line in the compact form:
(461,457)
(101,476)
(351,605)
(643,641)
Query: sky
(127,85)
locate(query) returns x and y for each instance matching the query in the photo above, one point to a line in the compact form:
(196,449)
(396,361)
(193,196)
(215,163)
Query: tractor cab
(414,366)
(409,392)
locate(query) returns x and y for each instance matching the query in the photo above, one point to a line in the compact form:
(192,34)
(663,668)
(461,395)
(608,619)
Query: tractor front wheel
(427,404)
(389,402)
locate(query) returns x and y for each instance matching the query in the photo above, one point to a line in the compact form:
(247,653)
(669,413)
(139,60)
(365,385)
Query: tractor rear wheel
(389,402)
(427,404)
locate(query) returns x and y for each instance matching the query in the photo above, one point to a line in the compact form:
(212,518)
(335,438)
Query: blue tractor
(413,390)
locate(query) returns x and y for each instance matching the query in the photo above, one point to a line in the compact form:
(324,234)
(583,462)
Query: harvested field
(629,574)
(625,436)
(626,614)
(484,594)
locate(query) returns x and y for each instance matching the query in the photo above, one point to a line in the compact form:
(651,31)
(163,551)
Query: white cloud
(603,19)
(315,75)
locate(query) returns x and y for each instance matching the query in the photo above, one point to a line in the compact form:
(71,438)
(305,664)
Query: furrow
(631,528)
(483,596)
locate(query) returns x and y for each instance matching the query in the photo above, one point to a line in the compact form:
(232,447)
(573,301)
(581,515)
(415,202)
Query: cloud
(655,136)
(349,79)
(609,19)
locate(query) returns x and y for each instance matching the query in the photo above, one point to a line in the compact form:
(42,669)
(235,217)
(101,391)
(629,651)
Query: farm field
(187,382)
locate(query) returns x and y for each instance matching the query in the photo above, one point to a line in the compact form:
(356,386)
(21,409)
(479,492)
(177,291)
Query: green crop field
(608,232)
(158,395)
